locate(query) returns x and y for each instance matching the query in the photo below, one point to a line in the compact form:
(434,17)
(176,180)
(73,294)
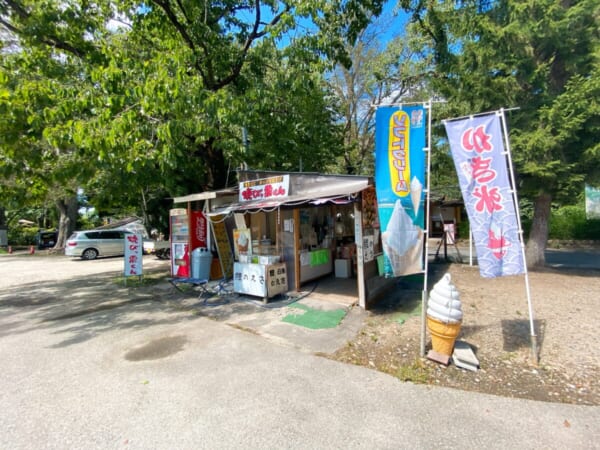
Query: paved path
(563,258)
(85,364)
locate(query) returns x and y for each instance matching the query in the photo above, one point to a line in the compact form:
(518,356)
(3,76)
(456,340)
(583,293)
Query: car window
(92,235)
(111,235)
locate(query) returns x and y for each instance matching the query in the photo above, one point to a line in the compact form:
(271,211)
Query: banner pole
(534,346)
(470,245)
(428,107)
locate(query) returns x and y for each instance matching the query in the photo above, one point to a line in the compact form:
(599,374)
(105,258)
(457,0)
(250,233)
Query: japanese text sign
(265,188)
(400,141)
(481,164)
(133,255)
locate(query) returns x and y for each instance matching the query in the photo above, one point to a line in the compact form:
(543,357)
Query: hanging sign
(481,164)
(266,188)
(399,180)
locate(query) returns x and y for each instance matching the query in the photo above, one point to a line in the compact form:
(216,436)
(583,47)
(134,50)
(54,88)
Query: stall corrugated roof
(305,187)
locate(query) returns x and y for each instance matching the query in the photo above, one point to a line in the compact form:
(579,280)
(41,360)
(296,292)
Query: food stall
(288,229)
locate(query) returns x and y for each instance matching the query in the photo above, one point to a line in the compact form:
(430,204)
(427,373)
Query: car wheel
(89,253)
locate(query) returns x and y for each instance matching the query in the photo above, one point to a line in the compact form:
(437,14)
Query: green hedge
(566,223)
(22,236)
(569,222)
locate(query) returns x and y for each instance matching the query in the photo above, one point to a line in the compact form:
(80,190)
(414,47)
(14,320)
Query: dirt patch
(496,325)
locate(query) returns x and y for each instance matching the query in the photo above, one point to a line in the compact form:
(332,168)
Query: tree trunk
(538,236)
(217,167)
(3,227)
(67,209)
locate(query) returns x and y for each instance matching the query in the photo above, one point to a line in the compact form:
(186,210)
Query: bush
(566,223)
(569,222)
(22,236)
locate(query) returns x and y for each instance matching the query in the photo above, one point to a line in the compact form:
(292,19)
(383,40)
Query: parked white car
(91,244)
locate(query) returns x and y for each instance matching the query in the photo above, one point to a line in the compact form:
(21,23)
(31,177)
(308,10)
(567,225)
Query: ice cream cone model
(443,335)
(444,316)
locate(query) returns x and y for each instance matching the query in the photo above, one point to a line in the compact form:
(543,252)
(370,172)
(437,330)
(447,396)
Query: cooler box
(343,268)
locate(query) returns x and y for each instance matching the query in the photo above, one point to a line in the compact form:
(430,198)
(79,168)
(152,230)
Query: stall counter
(260,280)
(315,264)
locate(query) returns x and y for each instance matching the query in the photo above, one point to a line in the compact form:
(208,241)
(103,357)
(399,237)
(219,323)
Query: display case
(261,280)
(180,251)
(315,264)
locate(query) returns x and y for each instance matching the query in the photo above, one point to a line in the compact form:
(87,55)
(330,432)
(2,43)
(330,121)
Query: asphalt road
(564,258)
(87,364)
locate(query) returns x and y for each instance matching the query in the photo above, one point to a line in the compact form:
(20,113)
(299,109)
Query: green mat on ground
(315,319)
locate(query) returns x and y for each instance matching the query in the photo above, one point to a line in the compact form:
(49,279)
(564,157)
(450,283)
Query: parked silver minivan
(93,243)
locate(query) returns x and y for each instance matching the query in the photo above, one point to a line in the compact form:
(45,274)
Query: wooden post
(297,248)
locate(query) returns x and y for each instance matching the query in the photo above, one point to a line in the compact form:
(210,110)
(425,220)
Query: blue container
(201,261)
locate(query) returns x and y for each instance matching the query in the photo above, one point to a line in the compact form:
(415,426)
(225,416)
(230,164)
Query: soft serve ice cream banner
(400,142)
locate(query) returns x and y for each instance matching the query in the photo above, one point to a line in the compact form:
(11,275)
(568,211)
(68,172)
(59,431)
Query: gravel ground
(496,325)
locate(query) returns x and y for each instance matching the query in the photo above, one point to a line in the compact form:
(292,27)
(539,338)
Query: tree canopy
(539,56)
(124,99)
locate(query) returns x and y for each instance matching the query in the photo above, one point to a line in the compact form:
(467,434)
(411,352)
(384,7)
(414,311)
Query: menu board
(223,245)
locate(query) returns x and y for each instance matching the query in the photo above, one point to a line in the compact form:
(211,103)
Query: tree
(381,73)
(36,163)
(158,103)
(541,56)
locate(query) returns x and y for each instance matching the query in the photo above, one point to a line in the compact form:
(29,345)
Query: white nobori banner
(133,255)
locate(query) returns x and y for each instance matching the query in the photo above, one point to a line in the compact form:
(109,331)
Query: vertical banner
(199,231)
(400,139)
(133,255)
(481,164)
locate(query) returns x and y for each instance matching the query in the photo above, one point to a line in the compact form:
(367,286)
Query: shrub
(569,222)
(22,236)
(566,223)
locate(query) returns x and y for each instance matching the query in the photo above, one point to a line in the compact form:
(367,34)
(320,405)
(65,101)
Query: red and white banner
(199,227)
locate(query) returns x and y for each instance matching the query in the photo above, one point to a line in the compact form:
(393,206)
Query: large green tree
(539,56)
(153,99)
(384,71)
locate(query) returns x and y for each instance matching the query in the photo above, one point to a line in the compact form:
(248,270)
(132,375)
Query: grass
(416,372)
(149,279)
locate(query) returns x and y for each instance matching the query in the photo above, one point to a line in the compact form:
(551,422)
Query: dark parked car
(46,239)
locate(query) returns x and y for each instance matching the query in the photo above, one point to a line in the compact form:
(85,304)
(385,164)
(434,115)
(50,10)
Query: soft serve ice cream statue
(444,318)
